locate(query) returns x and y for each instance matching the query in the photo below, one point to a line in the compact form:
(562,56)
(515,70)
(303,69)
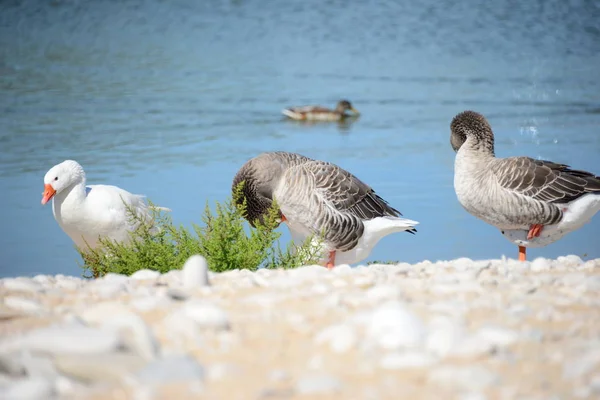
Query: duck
(88,212)
(533,202)
(320,113)
(318,198)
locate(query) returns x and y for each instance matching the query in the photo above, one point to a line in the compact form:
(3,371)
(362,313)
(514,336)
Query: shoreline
(459,329)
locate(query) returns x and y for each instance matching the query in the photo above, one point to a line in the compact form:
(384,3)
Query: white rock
(148,303)
(582,365)
(109,288)
(444,336)
(279,375)
(260,280)
(111,367)
(37,365)
(463,378)
(339,338)
(462,264)
(145,274)
(195,272)
(540,264)
(21,285)
(207,315)
(392,327)
(68,283)
(34,388)
(315,384)
(115,315)
(172,369)
(381,293)
(64,339)
(44,280)
(222,371)
(410,359)
(23,304)
(498,336)
(112,277)
(342,269)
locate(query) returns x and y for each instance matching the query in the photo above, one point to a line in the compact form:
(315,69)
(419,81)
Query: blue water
(170,98)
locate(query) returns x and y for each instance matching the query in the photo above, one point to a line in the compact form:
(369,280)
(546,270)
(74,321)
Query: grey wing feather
(545,180)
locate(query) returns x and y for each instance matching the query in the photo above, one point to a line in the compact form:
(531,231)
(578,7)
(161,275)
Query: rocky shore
(461,329)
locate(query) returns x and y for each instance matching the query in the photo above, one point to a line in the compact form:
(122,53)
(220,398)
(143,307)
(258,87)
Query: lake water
(170,98)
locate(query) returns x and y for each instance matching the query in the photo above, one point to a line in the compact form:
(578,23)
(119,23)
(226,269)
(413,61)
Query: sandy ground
(461,329)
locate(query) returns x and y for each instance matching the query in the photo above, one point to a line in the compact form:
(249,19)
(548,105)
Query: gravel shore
(461,329)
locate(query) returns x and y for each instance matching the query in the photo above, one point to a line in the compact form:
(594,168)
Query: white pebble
(381,293)
(108,289)
(392,326)
(540,264)
(315,384)
(172,369)
(498,336)
(342,269)
(222,371)
(34,388)
(65,339)
(68,283)
(339,338)
(145,274)
(411,359)
(109,367)
(21,285)
(112,277)
(206,315)
(464,378)
(581,365)
(195,272)
(444,336)
(23,304)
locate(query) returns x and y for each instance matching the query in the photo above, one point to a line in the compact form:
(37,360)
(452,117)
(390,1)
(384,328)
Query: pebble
(582,365)
(410,359)
(206,315)
(21,285)
(110,367)
(392,327)
(380,293)
(34,388)
(340,338)
(143,274)
(195,272)
(68,283)
(64,339)
(139,336)
(317,384)
(444,335)
(471,378)
(171,369)
(540,264)
(23,304)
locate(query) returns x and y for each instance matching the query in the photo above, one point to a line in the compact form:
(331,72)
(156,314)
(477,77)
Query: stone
(195,272)
(206,315)
(410,359)
(339,338)
(317,384)
(112,368)
(61,339)
(21,285)
(34,388)
(473,378)
(392,327)
(143,274)
(171,369)
(23,304)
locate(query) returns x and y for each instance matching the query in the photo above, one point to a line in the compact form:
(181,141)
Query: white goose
(533,202)
(319,197)
(86,213)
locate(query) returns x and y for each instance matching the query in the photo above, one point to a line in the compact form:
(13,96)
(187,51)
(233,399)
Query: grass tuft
(225,240)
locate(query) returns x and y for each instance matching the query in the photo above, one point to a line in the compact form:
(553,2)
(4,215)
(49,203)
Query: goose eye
(56,178)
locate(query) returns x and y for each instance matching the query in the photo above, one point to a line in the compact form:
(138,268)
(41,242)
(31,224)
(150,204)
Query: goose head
(62,177)
(474,126)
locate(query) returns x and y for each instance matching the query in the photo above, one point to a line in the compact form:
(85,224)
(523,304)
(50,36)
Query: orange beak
(49,193)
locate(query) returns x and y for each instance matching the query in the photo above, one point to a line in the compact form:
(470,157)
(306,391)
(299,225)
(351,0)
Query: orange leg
(534,231)
(331,261)
(522,253)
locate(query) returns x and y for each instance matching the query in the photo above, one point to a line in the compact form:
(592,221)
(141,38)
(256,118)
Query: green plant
(225,240)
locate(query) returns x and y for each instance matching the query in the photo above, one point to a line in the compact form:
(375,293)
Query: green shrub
(225,240)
